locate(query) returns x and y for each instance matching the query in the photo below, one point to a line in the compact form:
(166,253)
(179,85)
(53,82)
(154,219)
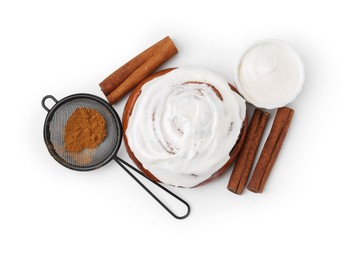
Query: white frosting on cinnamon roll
(184,125)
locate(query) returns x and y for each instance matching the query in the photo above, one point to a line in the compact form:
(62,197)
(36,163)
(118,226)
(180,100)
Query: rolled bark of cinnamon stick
(163,54)
(244,163)
(121,74)
(271,149)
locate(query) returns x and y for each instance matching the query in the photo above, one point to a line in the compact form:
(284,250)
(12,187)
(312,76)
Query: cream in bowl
(269,74)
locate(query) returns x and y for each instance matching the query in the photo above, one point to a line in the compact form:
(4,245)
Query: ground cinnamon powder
(85,128)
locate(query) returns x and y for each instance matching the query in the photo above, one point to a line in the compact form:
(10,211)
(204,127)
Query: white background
(312,206)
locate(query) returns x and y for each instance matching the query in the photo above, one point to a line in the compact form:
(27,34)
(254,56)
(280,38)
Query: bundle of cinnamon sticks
(128,76)
(269,154)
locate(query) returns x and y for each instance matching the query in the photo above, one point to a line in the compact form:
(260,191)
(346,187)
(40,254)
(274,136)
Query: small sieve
(91,159)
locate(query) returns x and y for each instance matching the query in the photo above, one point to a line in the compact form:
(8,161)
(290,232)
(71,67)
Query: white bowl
(285,100)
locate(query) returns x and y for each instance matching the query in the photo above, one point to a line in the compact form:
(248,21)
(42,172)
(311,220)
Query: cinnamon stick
(148,67)
(122,73)
(271,149)
(244,163)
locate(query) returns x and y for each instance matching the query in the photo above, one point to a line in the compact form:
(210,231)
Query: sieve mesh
(88,157)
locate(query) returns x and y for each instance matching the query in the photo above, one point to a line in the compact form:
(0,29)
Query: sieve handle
(122,163)
(44,100)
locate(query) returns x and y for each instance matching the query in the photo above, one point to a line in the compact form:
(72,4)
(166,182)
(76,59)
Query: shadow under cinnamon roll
(184,126)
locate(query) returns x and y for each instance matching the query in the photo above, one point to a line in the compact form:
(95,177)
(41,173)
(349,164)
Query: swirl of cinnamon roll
(181,127)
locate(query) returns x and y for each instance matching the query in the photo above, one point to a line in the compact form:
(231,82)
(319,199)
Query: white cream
(270,74)
(183,133)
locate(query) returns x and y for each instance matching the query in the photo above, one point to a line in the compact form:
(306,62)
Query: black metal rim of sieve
(113,154)
(49,117)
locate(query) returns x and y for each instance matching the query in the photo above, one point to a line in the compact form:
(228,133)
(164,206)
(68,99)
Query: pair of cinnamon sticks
(128,76)
(269,154)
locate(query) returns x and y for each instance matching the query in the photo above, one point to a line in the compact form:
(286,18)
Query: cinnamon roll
(184,126)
